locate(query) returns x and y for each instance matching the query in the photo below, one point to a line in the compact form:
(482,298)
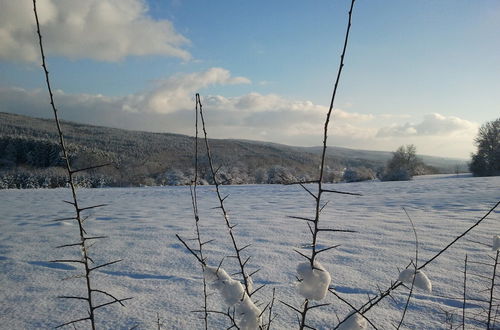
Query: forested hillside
(30,157)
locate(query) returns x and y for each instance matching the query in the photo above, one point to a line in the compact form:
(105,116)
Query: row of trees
(48,178)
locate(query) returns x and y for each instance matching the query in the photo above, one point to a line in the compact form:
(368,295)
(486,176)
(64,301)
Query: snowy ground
(164,278)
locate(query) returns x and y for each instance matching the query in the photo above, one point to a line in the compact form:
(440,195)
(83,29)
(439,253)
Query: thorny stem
(316,230)
(86,259)
(194,200)
(271,311)
(489,325)
(229,226)
(70,174)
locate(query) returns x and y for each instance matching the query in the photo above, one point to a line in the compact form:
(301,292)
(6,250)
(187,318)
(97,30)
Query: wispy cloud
(106,30)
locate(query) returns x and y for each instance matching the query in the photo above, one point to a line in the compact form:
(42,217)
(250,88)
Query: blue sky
(422,72)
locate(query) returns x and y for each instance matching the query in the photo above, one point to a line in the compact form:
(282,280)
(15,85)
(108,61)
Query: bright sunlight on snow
(164,278)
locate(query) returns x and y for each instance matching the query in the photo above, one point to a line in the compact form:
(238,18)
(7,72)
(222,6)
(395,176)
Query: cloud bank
(168,106)
(432,125)
(106,30)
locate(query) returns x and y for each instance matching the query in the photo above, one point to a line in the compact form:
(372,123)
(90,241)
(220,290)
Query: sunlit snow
(165,279)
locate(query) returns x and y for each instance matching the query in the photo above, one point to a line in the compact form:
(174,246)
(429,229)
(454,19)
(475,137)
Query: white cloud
(255,102)
(106,30)
(344,115)
(432,125)
(177,92)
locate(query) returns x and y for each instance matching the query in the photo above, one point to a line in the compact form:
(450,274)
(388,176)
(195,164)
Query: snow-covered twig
(86,260)
(236,295)
(355,310)
(311,271)
(229,225)
(372,302)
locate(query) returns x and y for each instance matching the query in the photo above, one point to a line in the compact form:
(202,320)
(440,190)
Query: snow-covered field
(162,277)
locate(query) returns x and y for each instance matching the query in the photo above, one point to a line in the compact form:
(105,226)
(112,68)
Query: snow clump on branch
(234,294)
(354,322)
(313,283)
(496,243)
(421,280)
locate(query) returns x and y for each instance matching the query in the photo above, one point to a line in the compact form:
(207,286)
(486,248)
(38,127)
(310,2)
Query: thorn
(254,272)
(310,228)
(340,192)
(308,258)
(256,290)
(239,250)
(91,207)
(64,219)
(244,263)
(328,248)
(104,265)
(337,230)
(301,218)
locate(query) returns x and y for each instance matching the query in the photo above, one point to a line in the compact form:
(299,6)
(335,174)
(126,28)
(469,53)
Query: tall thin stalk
(490,323)
(465,291)
(237,250)
(194,200)
(414,273)
(315,228)
(83,244)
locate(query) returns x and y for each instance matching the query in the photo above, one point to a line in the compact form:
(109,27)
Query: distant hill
(30,157)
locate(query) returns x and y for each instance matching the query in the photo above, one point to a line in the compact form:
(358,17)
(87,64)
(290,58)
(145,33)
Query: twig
(490,304)
(229,226)
(465,287)
(414,273)
(352,307)
(373,302)
(318,207)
